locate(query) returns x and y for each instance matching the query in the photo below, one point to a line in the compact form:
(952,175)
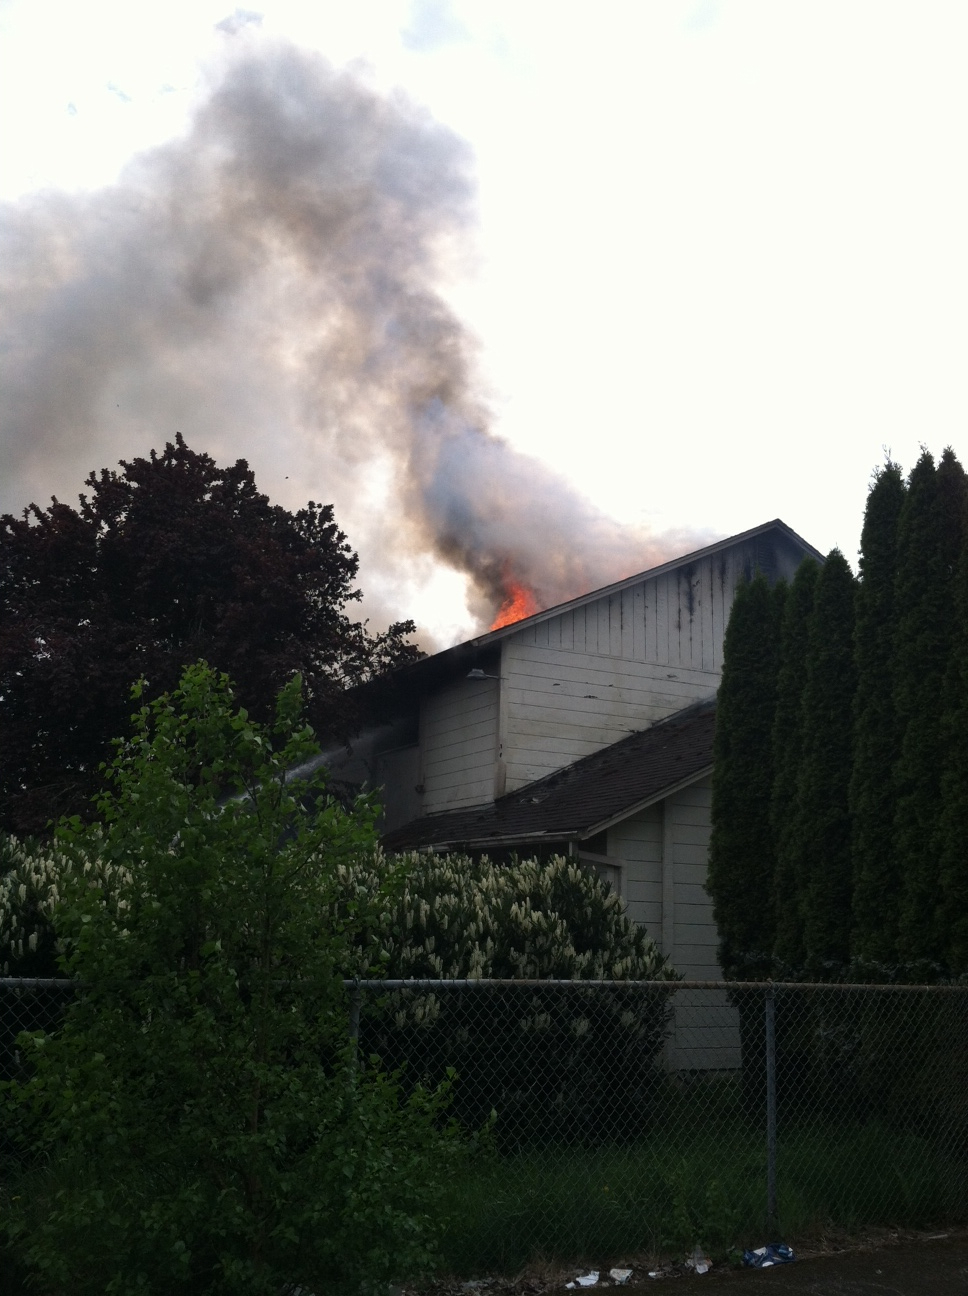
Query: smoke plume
(269,285)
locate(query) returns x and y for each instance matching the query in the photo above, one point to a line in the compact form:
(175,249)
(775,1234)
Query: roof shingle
(582,798)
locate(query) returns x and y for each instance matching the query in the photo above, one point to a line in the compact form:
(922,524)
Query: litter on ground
(764,1257)
(701,1263)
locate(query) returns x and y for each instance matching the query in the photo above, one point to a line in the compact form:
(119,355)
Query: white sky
(722,251)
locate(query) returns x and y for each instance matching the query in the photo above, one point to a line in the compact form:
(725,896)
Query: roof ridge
(468,649)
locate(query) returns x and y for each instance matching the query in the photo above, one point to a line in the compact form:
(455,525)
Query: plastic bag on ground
(763,1257)
(586,1280)
(701,1263)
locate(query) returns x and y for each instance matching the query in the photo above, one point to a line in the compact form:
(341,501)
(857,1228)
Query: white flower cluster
(453,916)
(32,884)
(415,915)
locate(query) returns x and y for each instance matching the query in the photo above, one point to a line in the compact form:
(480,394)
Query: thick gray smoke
(269,286)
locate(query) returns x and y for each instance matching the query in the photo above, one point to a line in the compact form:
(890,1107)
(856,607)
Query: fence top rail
(37,983)
(427,983)
(521,983)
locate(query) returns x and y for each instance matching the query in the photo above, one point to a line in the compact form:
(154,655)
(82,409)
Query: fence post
(356,998)
(771,1211)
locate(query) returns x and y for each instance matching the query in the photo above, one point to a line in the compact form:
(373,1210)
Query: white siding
(676,618)
(561,705)
(637,842)
(694,939)
(398,777)
(664,852)
(586,678)
(705,1033)
(458,745)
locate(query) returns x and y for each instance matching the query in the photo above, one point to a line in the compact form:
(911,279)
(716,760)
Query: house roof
(584,798)
(443,664)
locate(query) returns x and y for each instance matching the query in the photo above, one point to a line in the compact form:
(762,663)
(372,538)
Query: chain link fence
(616,1119)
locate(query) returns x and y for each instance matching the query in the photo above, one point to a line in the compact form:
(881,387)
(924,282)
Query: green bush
(197,1124)
(445,916)
(554,1064)
(570,1065)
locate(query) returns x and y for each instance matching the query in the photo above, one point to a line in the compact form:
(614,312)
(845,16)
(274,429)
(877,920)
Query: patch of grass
(867,1174)
(694,1182)
(592,1205)
(699,1178)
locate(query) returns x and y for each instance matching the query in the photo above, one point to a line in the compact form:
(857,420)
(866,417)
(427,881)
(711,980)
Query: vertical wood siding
(458,745)
(705,1028)
(673,618)
(664,853)
(637,842)
(587,678)
(680,825)
(694,941)
(397,777)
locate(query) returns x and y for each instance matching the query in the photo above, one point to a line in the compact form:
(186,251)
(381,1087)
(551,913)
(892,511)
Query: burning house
(584,729)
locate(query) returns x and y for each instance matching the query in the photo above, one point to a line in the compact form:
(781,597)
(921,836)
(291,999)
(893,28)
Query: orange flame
(518,604)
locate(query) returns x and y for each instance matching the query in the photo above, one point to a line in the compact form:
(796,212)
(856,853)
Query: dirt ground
(936,1266)
(884,1263)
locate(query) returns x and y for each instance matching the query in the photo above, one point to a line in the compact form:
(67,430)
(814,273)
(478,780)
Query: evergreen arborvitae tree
(929,544)
(740,877)
(876,735)
(822,822)
(952,840)
(787,751)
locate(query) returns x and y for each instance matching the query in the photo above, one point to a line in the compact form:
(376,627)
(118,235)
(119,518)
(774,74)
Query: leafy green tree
(788,751)
(170,560)
(824,882)
(202,1122)
(876,733)
(930,536)
(741,858)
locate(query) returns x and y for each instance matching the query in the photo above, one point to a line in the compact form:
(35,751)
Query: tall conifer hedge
(822,817)
(840,790)
(788,752)
(952,839)
(929,540)
(876,730)
(741,847)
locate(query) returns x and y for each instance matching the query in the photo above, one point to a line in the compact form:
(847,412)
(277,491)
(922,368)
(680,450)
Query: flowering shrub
(415,915)
(553,1064)
(32,878)
(443,916)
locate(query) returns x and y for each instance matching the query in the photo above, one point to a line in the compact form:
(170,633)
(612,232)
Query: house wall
(458,744)
(664,852)
(588,677)
(637,843)
(585,678)
(687,825)
(560,706)
(398,778)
